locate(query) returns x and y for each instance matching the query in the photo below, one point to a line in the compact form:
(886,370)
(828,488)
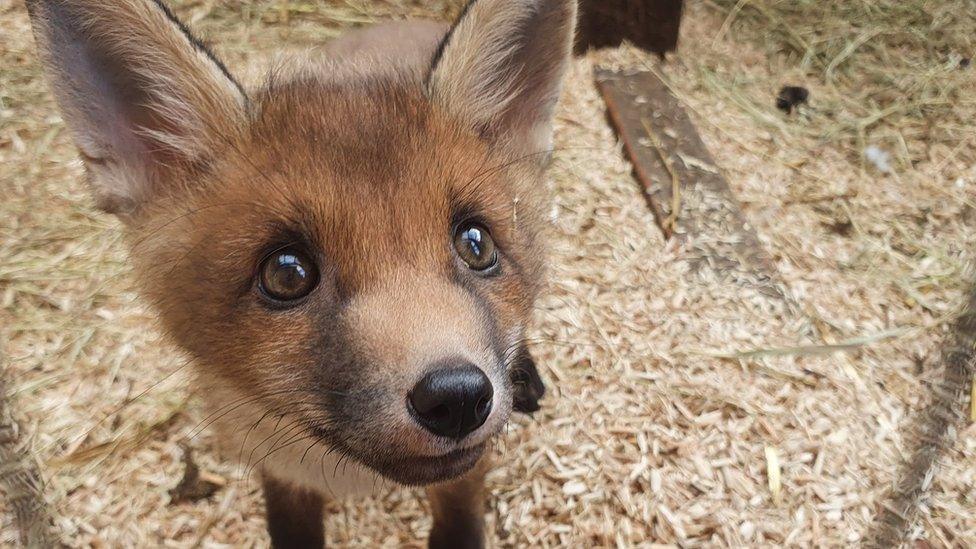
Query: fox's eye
(287,275)
(475,247)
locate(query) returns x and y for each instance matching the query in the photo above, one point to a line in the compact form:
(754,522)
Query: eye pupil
(290,273)
(287,275)
(475,247)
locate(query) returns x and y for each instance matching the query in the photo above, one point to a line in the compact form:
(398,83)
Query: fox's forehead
(371,176)
(363,137)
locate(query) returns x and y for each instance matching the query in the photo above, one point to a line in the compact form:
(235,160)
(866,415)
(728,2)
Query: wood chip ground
(684,410)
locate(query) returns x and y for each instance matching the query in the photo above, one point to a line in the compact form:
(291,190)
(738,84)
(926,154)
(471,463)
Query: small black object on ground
(791,97)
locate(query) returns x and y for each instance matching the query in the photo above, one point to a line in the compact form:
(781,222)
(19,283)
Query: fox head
(355,245)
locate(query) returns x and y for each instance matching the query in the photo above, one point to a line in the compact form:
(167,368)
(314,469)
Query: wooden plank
(685,189)
(649,24)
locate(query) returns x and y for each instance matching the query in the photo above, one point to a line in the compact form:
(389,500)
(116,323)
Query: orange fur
(366,158)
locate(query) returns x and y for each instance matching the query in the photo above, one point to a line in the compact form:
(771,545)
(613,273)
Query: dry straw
(640,440)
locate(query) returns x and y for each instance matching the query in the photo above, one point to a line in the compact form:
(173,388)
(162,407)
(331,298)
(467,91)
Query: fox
(348,253)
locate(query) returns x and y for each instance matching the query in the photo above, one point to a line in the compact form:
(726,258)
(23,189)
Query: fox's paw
(529,387)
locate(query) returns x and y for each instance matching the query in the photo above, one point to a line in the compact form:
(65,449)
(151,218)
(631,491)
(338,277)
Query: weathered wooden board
(649,24)
(684,188)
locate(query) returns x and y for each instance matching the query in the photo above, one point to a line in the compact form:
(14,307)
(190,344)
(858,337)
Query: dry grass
(686,410)
(883,71)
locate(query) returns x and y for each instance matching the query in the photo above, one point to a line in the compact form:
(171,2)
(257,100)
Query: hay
(934,430)
(20,480)
(642,439)
(884,71)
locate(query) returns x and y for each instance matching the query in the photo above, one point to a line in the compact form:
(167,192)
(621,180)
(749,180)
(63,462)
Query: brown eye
(475,247)
(287,275)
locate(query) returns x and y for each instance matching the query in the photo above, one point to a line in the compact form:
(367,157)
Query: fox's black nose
(452,402)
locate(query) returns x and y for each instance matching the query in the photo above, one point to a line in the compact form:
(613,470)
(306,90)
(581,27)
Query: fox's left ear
(501,67)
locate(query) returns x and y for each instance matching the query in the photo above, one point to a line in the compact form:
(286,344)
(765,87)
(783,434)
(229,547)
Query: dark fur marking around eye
(527,383)
(487,315)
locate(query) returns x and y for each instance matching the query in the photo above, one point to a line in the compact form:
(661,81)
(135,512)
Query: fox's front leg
(294,515)
(458,507)
(529,387)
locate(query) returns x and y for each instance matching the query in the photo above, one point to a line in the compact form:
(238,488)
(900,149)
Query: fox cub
(348,253)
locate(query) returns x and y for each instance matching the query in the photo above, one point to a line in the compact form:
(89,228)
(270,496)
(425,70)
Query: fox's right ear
(501,66)
(141,97)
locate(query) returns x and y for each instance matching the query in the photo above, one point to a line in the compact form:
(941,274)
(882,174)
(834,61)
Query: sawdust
(670,388)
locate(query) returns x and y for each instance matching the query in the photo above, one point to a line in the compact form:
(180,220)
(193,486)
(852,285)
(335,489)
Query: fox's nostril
(452,402)
(440,413)
(484,407)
